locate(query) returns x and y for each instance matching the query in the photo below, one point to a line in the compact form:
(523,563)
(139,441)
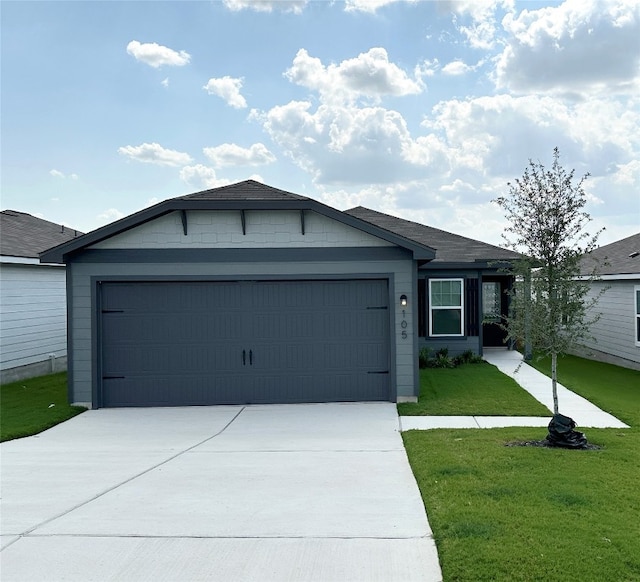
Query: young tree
(549,306)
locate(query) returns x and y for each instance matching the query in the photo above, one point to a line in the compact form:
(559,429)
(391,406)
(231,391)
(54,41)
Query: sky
(421,109)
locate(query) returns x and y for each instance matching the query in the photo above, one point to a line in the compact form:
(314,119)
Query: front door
(495,303)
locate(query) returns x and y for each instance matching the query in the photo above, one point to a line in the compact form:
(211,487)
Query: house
(616,336)
(250,294)
(32,297)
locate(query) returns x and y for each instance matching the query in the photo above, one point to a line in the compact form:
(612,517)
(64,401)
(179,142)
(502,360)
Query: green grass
(524,513)
(25,406)
(471,389)
(609,387)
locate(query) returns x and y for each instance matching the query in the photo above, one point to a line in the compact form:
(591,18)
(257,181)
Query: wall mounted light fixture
(403,300)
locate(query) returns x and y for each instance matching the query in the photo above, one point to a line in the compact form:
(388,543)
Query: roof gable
(244,191)
(450,248)
(24,235)
(247,195)
(617,258)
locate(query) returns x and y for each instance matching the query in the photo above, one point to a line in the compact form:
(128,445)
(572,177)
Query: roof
(450,248)
(247,195)
(23,235)
(247,190)
(617,258)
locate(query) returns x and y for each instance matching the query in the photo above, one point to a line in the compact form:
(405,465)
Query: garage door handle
(251,357)
(244,357)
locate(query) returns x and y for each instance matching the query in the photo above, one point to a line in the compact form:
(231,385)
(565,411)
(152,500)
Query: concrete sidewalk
(511,363)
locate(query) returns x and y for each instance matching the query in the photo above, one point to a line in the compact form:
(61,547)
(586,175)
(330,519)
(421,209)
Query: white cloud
(200,176)
(577,46)
(59,174)
(110,215)
(369,75)
(165,82)
(154,153)
(156,55)
(628,174)
(295,6)
(370,6)
(228,89)
(480,28)
(229,154)
(343,144)
(456,68)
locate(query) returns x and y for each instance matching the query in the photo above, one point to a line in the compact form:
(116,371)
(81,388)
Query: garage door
(190,343)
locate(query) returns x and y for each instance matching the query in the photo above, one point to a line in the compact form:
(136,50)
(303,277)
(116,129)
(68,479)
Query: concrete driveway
(281,492)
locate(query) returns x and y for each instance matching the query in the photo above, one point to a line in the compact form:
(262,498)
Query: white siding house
(616,336)
(32,297)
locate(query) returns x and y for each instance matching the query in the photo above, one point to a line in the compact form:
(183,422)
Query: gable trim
(59,254)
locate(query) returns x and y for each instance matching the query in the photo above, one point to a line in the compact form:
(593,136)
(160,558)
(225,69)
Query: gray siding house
(616,336)
(33,323)
(250,294)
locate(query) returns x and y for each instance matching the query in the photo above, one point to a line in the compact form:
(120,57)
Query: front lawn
(525,513)
(471,389)
(30,406)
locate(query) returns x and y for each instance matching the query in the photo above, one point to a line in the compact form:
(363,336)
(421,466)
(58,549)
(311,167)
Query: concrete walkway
(509,362)
(319,492)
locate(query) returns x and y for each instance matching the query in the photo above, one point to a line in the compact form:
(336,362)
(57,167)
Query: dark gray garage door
(186,343)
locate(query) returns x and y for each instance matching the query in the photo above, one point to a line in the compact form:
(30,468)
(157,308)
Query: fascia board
(57,254)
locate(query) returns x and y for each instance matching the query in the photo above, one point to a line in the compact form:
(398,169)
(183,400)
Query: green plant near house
(424,355)
(441,358)
(469,357)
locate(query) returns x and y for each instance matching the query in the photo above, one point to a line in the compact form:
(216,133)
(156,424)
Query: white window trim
(636,321)
(460,307)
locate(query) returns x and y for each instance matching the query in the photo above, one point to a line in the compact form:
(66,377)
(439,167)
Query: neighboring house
(617,333)
(250,294)
(33,337)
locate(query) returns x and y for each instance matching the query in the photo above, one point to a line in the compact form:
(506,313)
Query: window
(637,294)
(491,302)
(446,307)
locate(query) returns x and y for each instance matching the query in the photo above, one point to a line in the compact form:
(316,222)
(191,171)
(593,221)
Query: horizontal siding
(223,229)
(401,272)
(454,345)
(615,332)
(32,314)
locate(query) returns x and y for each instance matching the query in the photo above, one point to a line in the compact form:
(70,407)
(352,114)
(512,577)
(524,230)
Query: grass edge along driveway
(28,407)
(471,390)
(525,513)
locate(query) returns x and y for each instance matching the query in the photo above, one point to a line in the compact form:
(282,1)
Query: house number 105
(403,325)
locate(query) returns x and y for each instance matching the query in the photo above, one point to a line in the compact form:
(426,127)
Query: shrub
(441,358)
(424,355)
(468,357)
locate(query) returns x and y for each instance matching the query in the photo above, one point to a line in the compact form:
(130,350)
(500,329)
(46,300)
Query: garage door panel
(182,343)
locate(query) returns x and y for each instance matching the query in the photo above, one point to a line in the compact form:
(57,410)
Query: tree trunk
(554,381)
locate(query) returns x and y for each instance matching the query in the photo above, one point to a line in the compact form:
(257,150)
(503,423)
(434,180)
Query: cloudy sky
(424,110)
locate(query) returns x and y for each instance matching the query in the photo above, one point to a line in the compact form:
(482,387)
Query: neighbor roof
(450,248)
(617,258)
(23,235)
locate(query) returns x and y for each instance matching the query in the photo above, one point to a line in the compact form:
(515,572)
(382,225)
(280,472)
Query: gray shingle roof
(620,257)
(247,190)
(24,235)
(449,247)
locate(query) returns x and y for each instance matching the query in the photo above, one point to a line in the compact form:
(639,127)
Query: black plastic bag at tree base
(561,433)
